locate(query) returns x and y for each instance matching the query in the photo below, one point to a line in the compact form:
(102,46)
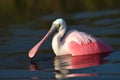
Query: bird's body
(74,42)
(81,43)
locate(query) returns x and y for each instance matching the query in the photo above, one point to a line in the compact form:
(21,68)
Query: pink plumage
(81,43)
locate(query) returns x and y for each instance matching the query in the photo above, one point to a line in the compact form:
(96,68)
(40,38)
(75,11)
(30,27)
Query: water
(19,34)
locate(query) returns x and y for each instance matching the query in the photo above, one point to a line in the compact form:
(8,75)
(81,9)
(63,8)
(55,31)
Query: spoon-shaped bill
(33,51)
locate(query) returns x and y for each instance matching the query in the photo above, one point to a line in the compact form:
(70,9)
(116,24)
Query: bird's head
(59,24)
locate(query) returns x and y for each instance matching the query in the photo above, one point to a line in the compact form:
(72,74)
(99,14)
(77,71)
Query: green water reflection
(18,11)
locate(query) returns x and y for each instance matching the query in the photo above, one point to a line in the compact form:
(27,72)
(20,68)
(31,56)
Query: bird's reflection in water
(64,64)
(34,67)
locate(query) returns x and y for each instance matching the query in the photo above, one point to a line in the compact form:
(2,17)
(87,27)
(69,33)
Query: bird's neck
(56,44)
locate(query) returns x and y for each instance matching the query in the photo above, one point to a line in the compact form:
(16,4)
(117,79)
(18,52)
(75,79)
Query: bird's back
(81,43)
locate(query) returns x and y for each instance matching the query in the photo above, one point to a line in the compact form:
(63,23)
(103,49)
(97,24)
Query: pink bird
(74,43)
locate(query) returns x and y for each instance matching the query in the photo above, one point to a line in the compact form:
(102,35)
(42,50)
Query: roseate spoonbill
(74,42)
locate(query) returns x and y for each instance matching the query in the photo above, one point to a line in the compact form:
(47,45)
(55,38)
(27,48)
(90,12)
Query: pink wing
(81,43)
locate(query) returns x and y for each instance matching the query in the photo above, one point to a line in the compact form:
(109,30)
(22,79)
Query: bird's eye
(59,25)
